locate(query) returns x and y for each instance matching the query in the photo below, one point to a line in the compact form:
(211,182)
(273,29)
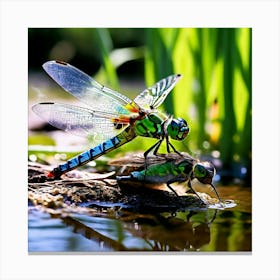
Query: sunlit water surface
(212,230)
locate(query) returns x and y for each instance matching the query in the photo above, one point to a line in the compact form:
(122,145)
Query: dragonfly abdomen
(93,153)
(156,179)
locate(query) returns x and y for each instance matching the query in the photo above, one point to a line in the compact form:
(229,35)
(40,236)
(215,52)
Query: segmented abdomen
(127,135)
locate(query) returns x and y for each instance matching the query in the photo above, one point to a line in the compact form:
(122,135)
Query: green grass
(215,94)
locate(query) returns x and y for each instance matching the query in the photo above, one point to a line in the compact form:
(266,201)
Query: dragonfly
(110,118)
(172,169)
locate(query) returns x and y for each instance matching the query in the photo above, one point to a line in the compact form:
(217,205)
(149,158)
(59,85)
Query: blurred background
(214,95)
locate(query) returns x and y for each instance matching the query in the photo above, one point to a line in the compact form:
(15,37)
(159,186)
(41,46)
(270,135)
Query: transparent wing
(138,160)
(86,89)
(153,96)
(80,121)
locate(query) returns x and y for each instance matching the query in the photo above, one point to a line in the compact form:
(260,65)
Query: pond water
(211,230)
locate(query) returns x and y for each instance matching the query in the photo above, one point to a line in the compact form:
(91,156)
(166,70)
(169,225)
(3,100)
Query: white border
(17,16)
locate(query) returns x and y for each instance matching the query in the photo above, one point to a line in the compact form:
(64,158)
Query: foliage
(215,93)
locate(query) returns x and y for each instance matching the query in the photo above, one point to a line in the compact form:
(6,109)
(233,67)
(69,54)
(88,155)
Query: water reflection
(185,232)
(49,234)
(211,230)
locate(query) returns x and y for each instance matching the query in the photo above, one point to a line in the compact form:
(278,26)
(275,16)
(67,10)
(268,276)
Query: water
(211,230)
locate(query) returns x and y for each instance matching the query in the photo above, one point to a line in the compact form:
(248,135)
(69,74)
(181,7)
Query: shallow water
(208,230)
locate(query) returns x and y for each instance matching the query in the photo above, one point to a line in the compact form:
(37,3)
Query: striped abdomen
(127,135)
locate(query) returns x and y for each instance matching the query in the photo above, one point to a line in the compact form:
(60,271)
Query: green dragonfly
(168,170)
(110,118)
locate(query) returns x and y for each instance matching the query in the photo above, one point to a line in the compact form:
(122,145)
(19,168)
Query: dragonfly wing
(79,121)
(153,96)
(86,89)
(138,159)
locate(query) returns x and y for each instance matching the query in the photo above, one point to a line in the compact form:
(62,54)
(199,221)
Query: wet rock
(94,190)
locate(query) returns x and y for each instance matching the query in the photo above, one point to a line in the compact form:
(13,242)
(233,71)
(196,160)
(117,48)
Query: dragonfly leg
(175,180)
(190,186)
(168,145)
(155,153)
(212,185)
(155,148)
(169,186)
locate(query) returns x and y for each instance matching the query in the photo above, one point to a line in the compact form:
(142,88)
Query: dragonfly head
(204,172)
(178,129)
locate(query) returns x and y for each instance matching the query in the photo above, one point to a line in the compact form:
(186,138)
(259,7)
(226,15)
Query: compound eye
(178,129)
(183,129)
(199,171)
(182,122)
(204,172)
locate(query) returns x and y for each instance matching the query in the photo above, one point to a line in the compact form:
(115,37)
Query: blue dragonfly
(109,118)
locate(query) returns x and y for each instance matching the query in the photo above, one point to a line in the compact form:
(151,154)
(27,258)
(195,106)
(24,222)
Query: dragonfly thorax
(178,129)
(150,126)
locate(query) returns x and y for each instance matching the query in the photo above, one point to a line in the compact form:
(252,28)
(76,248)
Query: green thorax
(150,126)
